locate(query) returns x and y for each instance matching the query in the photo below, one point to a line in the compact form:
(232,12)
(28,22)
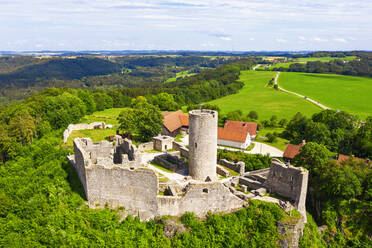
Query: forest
(21,76)
(41,196)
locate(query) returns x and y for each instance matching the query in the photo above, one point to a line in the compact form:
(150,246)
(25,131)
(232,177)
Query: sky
(228,25)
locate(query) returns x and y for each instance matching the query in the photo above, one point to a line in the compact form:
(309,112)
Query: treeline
(358,67)
(339,131)
(132,62)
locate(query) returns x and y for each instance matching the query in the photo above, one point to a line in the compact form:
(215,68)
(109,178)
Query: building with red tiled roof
(250,127)
(174,122)
(292,150)
(237,134)
(342,157)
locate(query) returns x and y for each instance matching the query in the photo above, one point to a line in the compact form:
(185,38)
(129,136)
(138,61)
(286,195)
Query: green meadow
(108,115)
(178,75)
(304,60)
(96,135)
(348,93)
(255,95)
(324,59)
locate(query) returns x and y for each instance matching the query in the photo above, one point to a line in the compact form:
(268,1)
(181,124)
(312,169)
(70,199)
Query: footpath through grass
(266,101)
(348,93)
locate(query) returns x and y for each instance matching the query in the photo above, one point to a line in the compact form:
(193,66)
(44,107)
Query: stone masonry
(111,173)
(203,144)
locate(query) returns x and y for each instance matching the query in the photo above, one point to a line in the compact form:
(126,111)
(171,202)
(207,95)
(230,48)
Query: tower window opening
(205,190)
(196,145)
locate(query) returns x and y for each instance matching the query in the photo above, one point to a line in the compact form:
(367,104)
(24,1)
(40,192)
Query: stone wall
(146,146)
(238,167)
(81,126)
(200,198)
(290,182)
(163,143)
(203,144)
(170,162)
(222,171)
(136,188)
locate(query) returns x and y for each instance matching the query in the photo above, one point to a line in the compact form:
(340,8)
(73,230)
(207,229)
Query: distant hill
(59,68)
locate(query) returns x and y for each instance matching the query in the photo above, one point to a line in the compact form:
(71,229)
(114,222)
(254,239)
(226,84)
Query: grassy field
(96,135)
(266,101)
(108,115)
(304,60)
(324,59)
(178,75)
(279,143)
(348,93)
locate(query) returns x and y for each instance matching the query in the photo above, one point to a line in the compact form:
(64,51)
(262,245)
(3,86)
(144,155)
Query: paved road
(294,93)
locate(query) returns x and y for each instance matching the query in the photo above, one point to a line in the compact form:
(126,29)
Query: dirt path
(294,93)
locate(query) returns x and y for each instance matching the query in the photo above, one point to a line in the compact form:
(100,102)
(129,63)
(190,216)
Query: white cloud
(301,38)
(342,40)
(280,40)
(318,39)
(225,38)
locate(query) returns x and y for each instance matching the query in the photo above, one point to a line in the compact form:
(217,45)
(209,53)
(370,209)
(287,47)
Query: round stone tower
(203,144)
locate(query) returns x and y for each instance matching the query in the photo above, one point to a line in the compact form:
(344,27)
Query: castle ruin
(120,174)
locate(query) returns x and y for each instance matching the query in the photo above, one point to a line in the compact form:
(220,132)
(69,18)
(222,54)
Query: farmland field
(304,60)
(324,59)
(348,93)
(265,100)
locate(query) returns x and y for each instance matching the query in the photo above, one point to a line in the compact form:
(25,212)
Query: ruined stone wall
(170,162)
(134,189)
(82,158)
(126,152)
(238,167)
(290,182)
(200,198)
(203,144)
(81,126)
(146,146)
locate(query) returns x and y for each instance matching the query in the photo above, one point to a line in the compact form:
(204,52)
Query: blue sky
(185,24)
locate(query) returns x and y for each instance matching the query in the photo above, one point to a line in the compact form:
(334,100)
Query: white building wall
(235,144)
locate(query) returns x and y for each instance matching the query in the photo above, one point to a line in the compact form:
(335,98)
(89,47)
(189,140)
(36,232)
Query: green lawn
(348,93)
(279,143)
(96,135)
(265,100)
(108,115)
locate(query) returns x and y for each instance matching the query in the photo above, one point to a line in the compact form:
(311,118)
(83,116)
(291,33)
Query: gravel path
(294,93)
